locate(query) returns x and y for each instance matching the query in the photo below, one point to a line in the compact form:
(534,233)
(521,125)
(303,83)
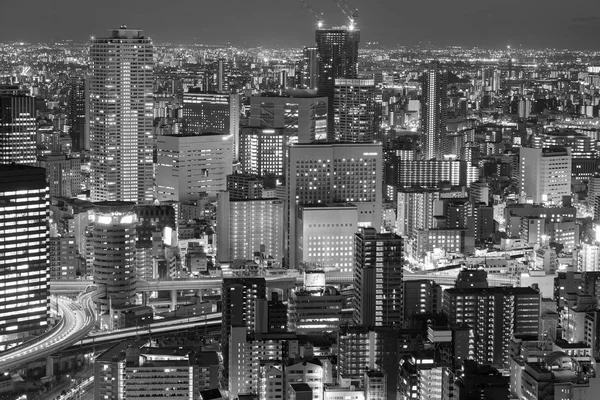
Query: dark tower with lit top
(337,57)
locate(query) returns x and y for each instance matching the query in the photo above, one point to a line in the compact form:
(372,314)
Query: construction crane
(318,16)
(351,14)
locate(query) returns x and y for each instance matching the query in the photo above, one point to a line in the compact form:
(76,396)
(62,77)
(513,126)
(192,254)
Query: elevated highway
(78,319)
(71,287)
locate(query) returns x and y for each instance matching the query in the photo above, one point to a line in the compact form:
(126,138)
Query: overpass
(78,319)
(287,281)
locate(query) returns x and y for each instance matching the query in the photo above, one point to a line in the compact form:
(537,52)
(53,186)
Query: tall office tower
(378,279)
(24,211)
(433,110)
(545,175)
(303,118)
(114,236)
(355,110)
(263,151)
(18,141)
(212,113)
(333,173)
(64,175)
(192,164)
(310,68)
(247,227)
(337,57)
(78,112)
(121,117)
(495,314)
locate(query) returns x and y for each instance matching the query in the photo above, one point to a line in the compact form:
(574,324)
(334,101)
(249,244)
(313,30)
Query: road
(78,319)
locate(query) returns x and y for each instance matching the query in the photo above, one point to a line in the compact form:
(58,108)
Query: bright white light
(104,219)
(128,219)
(167,234)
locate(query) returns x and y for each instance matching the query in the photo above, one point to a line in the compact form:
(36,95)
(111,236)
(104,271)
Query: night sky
(489,23)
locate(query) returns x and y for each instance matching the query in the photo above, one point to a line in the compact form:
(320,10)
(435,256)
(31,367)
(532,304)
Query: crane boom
(318,16)
(351,14)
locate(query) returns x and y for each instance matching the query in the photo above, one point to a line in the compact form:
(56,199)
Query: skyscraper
(355,118)
(337,57)
(433,109)
(121,117)
(78,112)
(18,143)
(24,239)
(114,237)
(212,113)
(378,278)
(309,68)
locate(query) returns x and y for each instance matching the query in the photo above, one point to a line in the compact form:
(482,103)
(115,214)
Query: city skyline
(534,24)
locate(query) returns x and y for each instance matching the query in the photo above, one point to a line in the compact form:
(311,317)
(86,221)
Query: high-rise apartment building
(212,113)
(240,297)
(545,175)
(334,173)
(303,117)
(337,57)
(421,297)
(495,314)
(24,207)
(355,111)
(378,279)
(253,358)
(433,110)
(121,117)
(18,142)
(192,164)
(113,238)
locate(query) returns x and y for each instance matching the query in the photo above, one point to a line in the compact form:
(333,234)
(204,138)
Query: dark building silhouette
(337,57)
